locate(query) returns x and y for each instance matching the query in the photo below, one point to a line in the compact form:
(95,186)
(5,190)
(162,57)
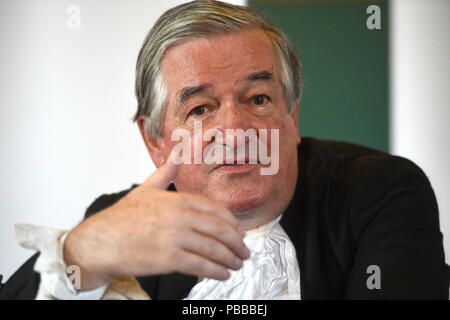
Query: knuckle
(182,219)
(208,269)
(184,199)
(199,197)
(171,257)
(187,215)
(209,248)
(175,218)
(170,238)
(198,264)
(219,253)
(220,230)
(225,258)
(171,216)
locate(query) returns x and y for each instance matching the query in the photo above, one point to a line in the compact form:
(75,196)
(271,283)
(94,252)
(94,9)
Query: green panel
(345,69)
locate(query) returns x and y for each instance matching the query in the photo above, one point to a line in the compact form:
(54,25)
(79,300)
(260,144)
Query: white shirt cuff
(55,283)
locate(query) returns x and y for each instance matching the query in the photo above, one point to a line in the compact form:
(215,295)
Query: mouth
(236,167)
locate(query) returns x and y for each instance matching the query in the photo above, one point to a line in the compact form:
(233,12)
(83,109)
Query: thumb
(162,177)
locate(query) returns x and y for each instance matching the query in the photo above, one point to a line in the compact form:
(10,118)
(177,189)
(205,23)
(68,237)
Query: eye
(260,99)
(197,111)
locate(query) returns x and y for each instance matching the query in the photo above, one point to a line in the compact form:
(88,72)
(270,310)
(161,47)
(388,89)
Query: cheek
(188,143)
(271,131)
(276,120)
(190,178)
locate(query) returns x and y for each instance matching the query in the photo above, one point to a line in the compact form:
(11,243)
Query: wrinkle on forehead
(210,60)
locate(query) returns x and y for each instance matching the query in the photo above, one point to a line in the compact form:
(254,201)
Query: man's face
(230,82)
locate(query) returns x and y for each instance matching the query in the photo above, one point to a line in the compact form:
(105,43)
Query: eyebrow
(187,92)
(260,75)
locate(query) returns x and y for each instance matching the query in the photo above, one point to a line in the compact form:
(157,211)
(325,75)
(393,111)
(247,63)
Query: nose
(233,121)
(231,115)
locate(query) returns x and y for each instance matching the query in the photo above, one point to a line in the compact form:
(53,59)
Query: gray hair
(203,19)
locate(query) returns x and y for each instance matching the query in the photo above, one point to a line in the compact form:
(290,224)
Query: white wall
(420,93)
(66,100)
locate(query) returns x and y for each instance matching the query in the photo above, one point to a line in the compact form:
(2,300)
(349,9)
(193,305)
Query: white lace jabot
(271,272)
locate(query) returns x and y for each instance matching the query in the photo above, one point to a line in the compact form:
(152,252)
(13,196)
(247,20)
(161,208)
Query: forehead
(220,61)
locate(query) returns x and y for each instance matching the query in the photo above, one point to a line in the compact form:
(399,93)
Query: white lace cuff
(55,284)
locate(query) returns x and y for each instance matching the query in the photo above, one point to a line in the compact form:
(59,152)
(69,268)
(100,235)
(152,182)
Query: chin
(242,206)
(242,199)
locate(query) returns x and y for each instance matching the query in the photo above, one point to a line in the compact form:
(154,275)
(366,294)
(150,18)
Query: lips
(235,168)
(243,165)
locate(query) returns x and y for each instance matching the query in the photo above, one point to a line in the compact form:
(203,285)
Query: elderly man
(333,221)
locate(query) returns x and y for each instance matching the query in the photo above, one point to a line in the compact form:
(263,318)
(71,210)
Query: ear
(294,115)
(154,145)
